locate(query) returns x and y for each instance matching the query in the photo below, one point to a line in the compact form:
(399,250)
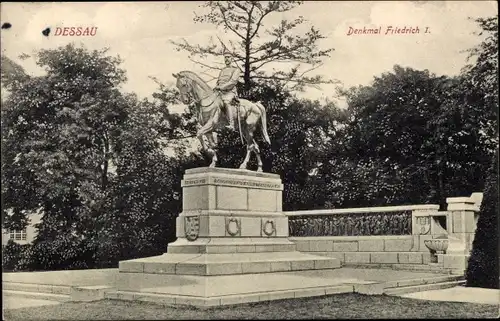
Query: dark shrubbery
(61,254)
(483,266)
(12,254)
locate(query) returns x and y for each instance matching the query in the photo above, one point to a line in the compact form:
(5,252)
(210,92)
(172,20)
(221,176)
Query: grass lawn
(339,306)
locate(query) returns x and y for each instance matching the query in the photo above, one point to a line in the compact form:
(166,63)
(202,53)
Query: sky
(140,33)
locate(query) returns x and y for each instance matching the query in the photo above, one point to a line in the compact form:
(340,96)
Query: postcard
(249,159)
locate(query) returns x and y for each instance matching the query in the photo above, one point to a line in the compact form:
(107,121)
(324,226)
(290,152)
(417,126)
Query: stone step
(423,281)
(166,299)
(229,264)
(38,295)
(38,288)
(433,268)
(423,287)
(90,292)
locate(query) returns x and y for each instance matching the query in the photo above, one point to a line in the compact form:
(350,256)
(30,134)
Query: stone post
(422,228)
(463,213)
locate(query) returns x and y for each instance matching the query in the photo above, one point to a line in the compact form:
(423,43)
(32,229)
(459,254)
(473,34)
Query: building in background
(25,236)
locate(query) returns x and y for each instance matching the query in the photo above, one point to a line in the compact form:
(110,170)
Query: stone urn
(438,245)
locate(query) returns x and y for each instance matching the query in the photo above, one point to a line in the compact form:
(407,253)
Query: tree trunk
(246,76)
(248,41)
(104,173)
(442,196)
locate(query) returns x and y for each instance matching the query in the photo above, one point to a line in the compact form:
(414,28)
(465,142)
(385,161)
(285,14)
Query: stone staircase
(91,293)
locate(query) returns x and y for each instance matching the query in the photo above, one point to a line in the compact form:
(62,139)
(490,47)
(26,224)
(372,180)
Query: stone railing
(387,220)
(417,234)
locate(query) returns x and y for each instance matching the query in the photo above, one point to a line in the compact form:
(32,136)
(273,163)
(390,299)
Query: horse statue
(209,105)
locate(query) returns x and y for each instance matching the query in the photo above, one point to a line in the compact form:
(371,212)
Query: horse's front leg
(213,145)
(203,131)
(202,142)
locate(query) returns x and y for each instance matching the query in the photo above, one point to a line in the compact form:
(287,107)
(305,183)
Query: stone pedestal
(231,211)
(231,224)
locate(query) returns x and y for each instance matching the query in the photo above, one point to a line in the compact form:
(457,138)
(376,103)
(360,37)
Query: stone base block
(90,293)
(455,262)
(384,257)
(227,264)
(410,258)
(228,289)
(206,291)
(369,288)
(398,245)
(356,257)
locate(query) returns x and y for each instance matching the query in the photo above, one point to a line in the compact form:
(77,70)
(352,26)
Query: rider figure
(226,84)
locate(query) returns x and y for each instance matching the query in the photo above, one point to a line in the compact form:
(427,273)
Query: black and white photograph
(170,160)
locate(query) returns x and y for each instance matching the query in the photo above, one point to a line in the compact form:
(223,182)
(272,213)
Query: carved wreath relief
(268,227)
(192,227)
(233,226)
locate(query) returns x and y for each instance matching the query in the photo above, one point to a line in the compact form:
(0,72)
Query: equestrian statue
(221,107)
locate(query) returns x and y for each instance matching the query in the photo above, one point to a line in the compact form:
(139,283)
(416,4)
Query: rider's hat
(226,53)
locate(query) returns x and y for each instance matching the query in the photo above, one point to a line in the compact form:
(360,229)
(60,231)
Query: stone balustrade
(380,225)
(386,220)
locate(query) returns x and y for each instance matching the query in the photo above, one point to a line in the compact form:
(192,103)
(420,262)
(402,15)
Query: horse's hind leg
(251,145)
(247,136)
(247,158)
(257,154)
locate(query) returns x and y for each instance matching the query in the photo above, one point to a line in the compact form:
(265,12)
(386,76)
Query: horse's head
(185,88)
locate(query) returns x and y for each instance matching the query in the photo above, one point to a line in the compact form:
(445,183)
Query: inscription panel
(246,183)
(236,182)
(194,181)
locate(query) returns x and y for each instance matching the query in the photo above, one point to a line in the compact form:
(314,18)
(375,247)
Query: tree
(405,134)
(61,125)
(257,47)
(15,179)
(58,131)
(481,90)
(482,71)
(13,75)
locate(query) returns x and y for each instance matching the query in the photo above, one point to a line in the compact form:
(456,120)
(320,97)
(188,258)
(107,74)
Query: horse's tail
(264,121)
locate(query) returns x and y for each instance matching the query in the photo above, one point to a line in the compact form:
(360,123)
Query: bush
(65,253)
(483,264)
(12,254)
